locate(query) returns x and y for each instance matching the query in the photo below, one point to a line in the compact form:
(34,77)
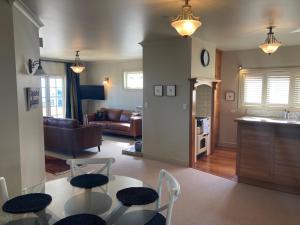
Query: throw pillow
(100,115)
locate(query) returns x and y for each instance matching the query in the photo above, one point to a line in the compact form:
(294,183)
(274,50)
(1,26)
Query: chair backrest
(173,189)
(75,165)
(3,190)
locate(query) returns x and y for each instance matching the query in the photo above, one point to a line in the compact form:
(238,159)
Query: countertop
(268,120)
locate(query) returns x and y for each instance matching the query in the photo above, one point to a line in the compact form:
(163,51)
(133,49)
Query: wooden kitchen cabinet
(268,154)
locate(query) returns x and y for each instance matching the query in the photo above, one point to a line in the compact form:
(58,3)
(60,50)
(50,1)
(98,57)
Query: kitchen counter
(268,153)
(268,120)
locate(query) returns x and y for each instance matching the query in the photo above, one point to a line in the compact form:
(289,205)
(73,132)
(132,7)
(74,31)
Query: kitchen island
(268,153)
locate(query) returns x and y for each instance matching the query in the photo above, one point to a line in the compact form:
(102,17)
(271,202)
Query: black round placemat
(158,219)
(137,196)
(89,180)
(28,203)
(81,219)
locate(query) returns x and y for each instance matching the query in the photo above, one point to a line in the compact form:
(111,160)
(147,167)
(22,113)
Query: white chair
(75,165)
(3,190)
(173,188)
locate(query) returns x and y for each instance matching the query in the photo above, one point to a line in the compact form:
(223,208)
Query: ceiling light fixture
(186,23)
(271,44)
(77,67)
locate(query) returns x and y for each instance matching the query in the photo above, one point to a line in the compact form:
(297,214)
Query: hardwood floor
(221,163)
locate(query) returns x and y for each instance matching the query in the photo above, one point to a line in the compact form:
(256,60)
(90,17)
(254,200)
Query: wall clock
(205,58)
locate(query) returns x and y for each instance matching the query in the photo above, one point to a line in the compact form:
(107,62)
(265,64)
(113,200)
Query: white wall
(165,122)
(30,122)
(10,166)
(116,95)
(284,57)
(197,69)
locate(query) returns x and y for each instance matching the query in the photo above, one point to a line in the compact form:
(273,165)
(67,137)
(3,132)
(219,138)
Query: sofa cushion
(45,119)
(125,116)
(101,123)
(64,123)
(113,114)
(119,126)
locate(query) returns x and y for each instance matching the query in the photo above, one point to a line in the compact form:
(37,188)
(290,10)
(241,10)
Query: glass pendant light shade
(77,67)
(39,71)
(186,23)
(271,44)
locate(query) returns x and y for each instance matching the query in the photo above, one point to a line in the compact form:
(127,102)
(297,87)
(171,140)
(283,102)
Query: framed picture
(171,90)
(158,90)
(33,98)
(229,95)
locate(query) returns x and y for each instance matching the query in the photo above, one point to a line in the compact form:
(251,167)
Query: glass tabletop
(68,200)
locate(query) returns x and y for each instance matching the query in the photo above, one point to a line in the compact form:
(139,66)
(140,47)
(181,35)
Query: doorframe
(215,118)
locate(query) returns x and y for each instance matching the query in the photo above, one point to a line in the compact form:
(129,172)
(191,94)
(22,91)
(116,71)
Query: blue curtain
(73,100)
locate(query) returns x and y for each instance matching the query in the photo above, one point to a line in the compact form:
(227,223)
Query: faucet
(286,114)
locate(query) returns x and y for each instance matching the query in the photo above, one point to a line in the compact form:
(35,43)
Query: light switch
(184,106)
(146,105)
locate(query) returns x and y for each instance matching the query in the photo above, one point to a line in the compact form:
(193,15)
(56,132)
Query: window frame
(48,96)
(125,87)
(293,72)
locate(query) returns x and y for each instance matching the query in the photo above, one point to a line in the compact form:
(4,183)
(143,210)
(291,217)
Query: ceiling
(112,29)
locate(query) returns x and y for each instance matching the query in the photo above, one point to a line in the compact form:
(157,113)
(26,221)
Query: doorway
(205,155)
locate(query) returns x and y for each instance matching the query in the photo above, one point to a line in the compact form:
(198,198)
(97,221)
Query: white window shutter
(252,91)
(278,89)
(297,91)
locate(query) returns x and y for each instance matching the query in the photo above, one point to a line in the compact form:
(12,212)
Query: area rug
(56,166)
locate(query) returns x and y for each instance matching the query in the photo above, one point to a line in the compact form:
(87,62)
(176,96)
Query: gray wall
(116,95)
(21,132)
(284,57)
(10,166)
(166,121)
(31,130)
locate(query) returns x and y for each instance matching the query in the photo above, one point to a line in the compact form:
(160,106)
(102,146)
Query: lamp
(106,80)
(77,67)
(186,23)
(271,44)
(32,64)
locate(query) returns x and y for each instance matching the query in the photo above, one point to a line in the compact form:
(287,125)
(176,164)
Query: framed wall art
(229,95)
(171,90)
(33,98)
(158,90)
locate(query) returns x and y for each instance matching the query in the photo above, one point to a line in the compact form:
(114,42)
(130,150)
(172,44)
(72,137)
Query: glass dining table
(68,200)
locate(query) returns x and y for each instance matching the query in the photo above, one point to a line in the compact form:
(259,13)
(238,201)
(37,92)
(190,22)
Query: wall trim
(227,144)
(171,161)
(27,12)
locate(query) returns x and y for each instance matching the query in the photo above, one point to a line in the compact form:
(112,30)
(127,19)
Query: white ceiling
(112,29)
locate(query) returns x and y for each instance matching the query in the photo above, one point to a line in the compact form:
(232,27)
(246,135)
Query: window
(133,80)
(253,86)
(297,91)
(53,99)
(278,88)
(270,88)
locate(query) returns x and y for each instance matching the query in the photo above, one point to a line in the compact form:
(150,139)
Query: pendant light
(77,67)
(186,23)
(271,44)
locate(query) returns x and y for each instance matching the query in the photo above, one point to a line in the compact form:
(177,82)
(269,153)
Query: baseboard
(171,161)
(227,145)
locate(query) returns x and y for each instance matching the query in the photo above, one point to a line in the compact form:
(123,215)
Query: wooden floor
(221,163)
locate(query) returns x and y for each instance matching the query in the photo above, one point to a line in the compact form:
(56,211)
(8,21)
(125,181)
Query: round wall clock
(205,58)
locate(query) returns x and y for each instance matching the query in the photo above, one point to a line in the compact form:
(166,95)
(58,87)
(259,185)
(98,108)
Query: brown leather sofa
(67,136)
(117,121)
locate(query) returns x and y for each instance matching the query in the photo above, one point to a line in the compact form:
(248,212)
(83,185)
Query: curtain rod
(55,60)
